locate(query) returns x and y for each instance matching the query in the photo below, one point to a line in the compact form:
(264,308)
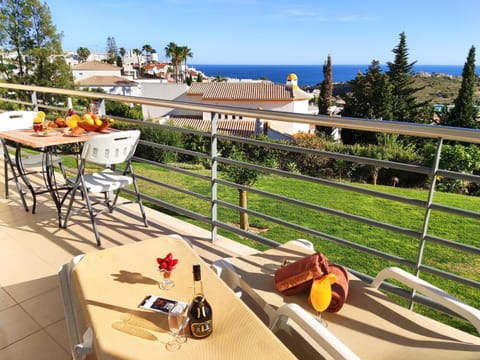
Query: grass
(452,227)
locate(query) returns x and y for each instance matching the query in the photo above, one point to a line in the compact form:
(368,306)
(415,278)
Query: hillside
(439,89)
(435,89)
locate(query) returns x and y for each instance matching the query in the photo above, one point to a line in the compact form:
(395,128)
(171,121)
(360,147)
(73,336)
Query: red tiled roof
(106,81)
(247,91)
(240,128)
(95,65)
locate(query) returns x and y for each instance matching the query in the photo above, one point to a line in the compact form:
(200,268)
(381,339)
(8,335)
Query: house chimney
(292,81)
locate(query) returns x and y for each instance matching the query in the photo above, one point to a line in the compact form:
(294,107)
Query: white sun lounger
(369,326)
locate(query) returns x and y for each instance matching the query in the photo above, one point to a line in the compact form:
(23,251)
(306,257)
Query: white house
(254,95)
(96,74)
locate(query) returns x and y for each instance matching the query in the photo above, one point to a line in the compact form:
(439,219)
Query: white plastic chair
(19,120)
(107,150)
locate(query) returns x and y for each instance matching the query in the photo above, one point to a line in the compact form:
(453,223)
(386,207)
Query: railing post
(101,107)
(428,210)
(213,158)
(34,101)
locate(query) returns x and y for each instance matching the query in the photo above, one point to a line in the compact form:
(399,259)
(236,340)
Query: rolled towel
(339,288)
(297,276)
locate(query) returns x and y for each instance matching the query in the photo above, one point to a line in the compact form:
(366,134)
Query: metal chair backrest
(111,149)
(16,120)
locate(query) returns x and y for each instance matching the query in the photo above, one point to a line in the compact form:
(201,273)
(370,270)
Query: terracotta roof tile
(95,65)
(240,128)
(106,81)
(247,91)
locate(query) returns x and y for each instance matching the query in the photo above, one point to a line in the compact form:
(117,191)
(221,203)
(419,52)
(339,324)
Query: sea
(309,74)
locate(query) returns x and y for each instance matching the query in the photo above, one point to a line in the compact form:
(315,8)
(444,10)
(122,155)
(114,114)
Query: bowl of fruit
(93,122)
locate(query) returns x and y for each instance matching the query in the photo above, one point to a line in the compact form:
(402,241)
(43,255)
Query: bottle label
(201,329)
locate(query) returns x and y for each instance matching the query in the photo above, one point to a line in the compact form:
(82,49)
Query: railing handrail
(386,126)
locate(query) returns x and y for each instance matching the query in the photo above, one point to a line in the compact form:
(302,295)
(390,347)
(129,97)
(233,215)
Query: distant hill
(436,89)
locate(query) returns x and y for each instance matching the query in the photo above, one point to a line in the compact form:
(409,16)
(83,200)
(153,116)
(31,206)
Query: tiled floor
(33,247)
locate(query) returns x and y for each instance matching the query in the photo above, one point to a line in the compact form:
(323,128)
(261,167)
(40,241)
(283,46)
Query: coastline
(310,75)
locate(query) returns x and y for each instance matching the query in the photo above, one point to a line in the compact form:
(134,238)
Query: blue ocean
(308,74)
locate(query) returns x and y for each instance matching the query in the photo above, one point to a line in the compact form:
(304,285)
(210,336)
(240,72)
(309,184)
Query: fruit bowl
(95,127)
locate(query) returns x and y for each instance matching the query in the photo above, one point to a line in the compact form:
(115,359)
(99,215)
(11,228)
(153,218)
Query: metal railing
(469,280)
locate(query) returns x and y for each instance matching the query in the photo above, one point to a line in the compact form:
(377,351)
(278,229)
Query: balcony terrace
(33,247)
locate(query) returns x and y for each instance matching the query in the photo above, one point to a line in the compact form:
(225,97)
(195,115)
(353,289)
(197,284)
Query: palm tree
(122,52)
(138,52)
(173,51)
(83,53)
(148,51)
(186,52)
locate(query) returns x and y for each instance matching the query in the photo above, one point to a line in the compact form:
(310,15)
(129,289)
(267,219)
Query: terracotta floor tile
(58,331)
(6,300)
(16,324)
(46,308)
(39,346)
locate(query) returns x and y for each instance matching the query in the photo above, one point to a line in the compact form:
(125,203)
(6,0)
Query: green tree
(15,22)
(46,49)
(370,97)
(112,50)
(242,176)
(26,29)
(174,52)
(464,114)
(326,90)
(147,49)
(122,52)
(138,52)
(405,106)
(185,53)
(83,54)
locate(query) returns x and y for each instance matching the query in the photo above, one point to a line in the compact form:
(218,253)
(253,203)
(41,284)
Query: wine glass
(182,335)
(167,283)
(321,294)
(177,319)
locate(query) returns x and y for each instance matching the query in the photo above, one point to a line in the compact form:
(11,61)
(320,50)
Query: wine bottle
(200,312)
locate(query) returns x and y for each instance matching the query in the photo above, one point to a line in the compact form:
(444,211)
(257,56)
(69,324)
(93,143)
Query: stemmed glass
(177,320)
(321,294)
(166,283)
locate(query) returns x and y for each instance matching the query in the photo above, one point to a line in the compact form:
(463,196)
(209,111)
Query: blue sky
(277,32)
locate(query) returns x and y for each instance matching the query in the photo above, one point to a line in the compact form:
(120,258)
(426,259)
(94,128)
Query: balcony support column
(213,157)
(428,210)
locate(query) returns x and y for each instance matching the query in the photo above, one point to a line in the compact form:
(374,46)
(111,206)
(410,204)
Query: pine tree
(112,50)
(370,97)
(405,106)
(324,102)
(464,113)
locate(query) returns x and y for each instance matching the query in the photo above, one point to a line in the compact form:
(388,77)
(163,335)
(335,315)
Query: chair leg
(139,198)
(88,205)
(92,215)
(5,170)
(129,169)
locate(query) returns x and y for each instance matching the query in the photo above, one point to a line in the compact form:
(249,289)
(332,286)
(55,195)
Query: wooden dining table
(48,143)
(110,284)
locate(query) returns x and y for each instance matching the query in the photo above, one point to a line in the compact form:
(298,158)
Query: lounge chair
(369,326)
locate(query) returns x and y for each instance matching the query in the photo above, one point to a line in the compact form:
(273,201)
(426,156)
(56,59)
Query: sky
(277,32)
